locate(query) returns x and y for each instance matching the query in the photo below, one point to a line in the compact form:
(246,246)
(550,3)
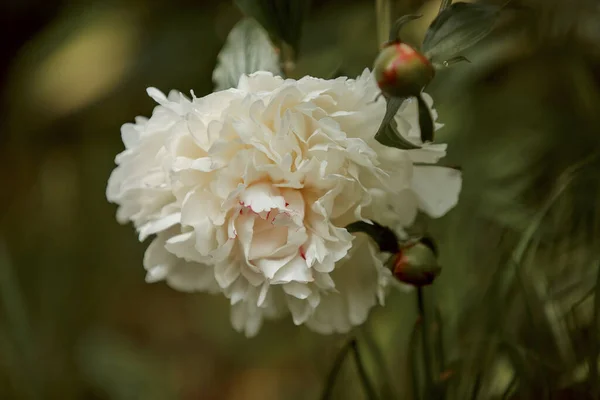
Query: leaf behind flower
(282,18)
(248,49)
(457,28)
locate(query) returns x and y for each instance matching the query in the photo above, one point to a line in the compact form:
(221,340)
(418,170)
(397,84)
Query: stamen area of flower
(267,224)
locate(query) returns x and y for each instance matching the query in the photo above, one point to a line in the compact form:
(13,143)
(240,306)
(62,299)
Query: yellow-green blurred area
(78,320)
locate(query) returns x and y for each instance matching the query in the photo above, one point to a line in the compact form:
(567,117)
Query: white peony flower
(248,191)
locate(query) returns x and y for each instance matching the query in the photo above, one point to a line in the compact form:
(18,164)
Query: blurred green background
(77,320)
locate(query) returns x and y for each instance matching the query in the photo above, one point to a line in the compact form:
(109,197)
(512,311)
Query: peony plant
(248,191)
(261,191)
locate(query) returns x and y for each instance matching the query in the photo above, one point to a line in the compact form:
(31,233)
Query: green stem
(337,366)
(440,341)
(362,372)
(384,373)
(414,362)
(335,370)
(425,343)
(476,387)
(383,13)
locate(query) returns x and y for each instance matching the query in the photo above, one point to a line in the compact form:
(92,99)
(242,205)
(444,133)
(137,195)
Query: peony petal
(159,225)
(298,290)
(262,197)
(437,188)
(295,270)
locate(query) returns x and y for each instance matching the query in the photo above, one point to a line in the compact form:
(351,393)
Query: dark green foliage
(425,121)
(387,134)
(458,27)
(282,18)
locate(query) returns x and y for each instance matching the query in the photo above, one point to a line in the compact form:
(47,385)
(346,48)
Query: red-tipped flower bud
(401,71)
(416,265)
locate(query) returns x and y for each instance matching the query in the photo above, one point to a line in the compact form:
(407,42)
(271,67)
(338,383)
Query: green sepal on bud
(401,71)
(416,264)
(384,237)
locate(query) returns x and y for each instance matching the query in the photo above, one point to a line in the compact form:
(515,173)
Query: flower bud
(416,265)
(401,71)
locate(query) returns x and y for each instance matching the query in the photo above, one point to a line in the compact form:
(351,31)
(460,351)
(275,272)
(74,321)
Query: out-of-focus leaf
(457,28)
(247,50)
(384,237)
(282,18)
(336,73)
(523,373)
(445,4)
(425,121)
(19,331)
(400,22)
(595,350)
(114,366)
(388,134)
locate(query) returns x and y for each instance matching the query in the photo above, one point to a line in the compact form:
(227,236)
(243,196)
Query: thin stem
(335,370)
(425,344)
(477,387)
(337,366)
(383,13)
(414,362)
(362,372)
(440,341)
(386,378)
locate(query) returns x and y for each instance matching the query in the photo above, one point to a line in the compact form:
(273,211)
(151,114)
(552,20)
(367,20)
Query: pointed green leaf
(388,134)
(425,121)
(247,50)
(281,18)
(450,62)
(383,236)
(457,28)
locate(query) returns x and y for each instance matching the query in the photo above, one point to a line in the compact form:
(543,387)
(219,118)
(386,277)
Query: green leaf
(425,121)
(400,22)
(457,28)
(247,50)
(444,4)
(281,18)
(595,348)
(388,134)
(383,236)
